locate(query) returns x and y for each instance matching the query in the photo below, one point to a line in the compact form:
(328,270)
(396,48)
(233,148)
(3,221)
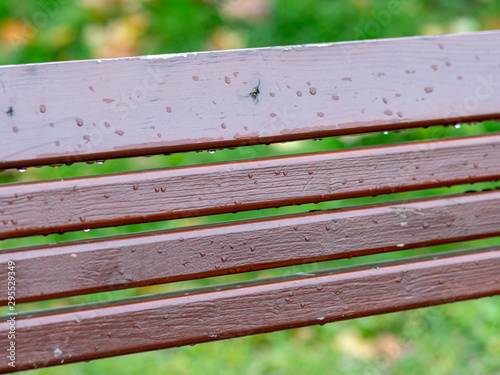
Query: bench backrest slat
(97,266)
(69,111)
(203,317)
(92,202)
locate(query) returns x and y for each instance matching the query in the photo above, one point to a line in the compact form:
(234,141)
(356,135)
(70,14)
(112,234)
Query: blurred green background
(461,338)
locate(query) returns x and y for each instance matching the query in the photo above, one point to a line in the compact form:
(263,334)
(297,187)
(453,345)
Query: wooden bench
(95,110)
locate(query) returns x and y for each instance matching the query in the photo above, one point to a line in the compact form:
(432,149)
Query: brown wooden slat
(103,332)
(88,110)
(89,267)
(72,204)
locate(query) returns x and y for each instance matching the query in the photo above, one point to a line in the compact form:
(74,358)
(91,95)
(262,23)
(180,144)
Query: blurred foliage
(51,30)
(461,338)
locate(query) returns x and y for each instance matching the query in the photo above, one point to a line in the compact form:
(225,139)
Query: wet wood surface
(191,319)
(89,110)
(98,109)
(97,266)
(109,200)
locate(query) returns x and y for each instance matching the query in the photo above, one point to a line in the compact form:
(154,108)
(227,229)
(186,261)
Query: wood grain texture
(89,267)
(109,200)
(87,110)
(191,319)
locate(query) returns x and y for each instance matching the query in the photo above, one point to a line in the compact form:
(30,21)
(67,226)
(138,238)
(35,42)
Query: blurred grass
(462,338)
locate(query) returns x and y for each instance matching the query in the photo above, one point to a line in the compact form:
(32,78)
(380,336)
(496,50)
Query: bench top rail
(99,109)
